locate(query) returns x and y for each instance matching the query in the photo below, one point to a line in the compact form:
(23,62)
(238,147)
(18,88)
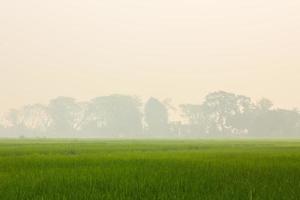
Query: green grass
(129,170)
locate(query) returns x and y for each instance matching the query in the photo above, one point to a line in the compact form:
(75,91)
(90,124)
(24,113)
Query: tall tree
(156,117)
(63,111)
(116,115)
(197,121)
(226,112)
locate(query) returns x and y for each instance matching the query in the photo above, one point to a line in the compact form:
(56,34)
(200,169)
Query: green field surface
(146,170)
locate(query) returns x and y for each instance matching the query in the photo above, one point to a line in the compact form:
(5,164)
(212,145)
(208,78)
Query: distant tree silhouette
(156,118)
(274,123)
(264,105)
(220,114)
(226,113)
(32,120)
(13,118)
(197,123)
(116,115)
(63,111)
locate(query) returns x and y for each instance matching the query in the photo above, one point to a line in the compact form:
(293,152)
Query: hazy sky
(163,48)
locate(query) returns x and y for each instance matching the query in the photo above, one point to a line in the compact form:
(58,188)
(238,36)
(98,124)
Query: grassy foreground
(129,170)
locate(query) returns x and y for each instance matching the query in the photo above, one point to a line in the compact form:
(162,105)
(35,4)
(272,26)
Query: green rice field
(149,170)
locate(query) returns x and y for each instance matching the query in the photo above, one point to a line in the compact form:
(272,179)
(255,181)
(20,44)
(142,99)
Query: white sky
(162,48)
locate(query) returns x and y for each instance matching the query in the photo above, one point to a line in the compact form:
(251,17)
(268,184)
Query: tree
(156,117)
(275,123)
(115,115)
(35,118)
(2,129)
(264,105)
(197,122)
(227,113)
(63,111)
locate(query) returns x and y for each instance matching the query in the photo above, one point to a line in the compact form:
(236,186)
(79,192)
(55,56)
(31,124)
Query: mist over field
(168,62)
(149,99)
(160,48)
(221,114)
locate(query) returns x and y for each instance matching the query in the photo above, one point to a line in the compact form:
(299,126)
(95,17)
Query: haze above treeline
(221,114)
(161,48)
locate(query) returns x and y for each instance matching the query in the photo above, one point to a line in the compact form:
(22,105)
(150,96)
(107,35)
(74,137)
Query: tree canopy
(221,114)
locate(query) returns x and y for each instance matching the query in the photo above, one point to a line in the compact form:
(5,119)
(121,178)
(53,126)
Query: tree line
(221,114)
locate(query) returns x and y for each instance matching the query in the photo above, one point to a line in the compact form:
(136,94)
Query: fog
(168,49)
(176,52)
(221,114)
